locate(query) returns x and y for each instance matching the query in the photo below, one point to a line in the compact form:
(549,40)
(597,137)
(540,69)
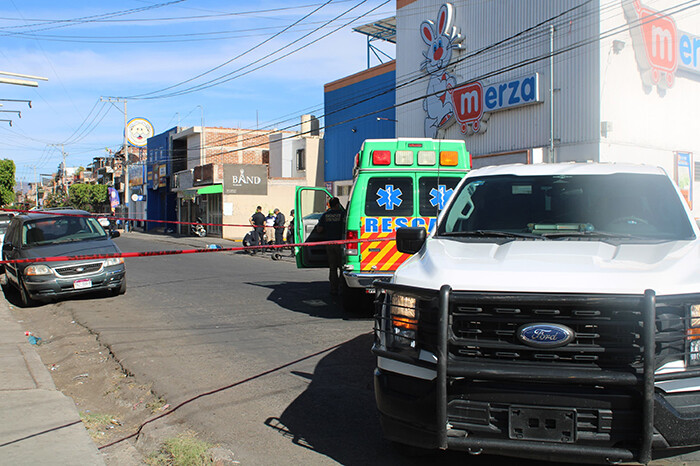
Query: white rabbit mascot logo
(441,38)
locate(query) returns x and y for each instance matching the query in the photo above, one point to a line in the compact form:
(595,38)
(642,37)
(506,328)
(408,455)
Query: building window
(697,171)
(301,160)
(266,156)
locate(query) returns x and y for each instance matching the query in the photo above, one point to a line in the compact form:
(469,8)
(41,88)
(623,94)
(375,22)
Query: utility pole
(36,187)
(63,170)
(126,159)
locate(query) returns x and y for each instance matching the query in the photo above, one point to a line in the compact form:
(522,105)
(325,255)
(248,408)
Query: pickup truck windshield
(622,205)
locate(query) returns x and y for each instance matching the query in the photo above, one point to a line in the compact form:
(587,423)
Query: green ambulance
(396,183)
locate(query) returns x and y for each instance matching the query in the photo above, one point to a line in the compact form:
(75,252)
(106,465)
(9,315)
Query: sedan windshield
(63,229)
(619,206)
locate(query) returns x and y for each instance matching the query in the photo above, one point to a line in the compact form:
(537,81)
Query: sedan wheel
(24,297)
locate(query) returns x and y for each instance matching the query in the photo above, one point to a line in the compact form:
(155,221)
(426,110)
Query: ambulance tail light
(381,157)
(449,158)
(351,248)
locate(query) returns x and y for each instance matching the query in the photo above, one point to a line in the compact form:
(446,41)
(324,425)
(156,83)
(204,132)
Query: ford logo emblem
(545,335)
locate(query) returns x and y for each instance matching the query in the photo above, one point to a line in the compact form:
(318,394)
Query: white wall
(484,23)
(649,124)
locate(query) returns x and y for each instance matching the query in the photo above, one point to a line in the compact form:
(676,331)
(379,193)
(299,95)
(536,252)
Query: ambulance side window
(434,192)
(389,196)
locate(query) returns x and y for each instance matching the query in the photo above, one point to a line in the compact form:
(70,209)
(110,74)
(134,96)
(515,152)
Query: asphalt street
(195,323)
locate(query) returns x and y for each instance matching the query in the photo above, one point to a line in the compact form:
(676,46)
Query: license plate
(83,283)
(544,424)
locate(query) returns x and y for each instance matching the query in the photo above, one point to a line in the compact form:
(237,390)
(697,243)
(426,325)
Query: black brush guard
(642,382)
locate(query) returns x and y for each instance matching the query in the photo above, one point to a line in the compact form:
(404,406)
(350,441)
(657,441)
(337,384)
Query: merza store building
(530,81)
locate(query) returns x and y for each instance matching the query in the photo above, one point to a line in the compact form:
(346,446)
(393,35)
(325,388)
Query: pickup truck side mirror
(410,240)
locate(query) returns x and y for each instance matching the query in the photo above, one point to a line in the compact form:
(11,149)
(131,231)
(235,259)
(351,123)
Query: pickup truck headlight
(38,269)
(693,335)
(404,320)
(114,261)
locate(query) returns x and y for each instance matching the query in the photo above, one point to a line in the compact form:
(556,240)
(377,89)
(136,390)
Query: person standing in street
(258,222)
(290,229)
(331,226)
(279,226)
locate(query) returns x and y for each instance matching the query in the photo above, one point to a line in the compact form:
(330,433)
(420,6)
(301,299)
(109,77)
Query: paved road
(195,323)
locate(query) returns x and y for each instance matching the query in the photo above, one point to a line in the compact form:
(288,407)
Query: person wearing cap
(279,226)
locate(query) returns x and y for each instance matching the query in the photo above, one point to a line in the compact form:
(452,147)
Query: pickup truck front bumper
(540,411)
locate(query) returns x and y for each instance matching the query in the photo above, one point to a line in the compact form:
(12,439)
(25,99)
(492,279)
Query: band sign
(245,179)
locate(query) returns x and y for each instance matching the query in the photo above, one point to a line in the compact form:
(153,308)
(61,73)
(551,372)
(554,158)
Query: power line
(60,23)
(178,18)
(220,80)
(521,64)
(243,53)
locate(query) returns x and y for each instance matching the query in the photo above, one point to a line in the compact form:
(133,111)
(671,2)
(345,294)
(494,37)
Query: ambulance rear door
(309,204)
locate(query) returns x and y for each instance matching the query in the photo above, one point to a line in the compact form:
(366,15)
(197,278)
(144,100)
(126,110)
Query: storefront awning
(211,189)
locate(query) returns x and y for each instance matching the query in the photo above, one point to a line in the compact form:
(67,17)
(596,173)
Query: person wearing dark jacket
(331,226)
(258,222)
(279,226)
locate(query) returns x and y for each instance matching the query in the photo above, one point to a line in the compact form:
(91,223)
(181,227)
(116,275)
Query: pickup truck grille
(485,327)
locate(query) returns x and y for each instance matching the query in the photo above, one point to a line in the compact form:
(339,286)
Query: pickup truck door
(309,204)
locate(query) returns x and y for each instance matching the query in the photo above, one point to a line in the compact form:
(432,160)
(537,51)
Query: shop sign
(660,48)
(155,181)
(245,179)
(684,175)
(441,38)
(138,130)
(136,175)
(474,102)
(162,175)
(469,104)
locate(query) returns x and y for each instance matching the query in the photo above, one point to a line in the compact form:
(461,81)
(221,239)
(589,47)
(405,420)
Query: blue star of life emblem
(440,196)
(389,197)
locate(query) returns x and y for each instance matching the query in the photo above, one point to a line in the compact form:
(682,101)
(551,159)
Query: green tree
(90,197)
(7,182)
(56,200)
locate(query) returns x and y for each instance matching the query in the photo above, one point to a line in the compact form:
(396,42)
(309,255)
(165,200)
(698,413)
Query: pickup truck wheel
(355,300)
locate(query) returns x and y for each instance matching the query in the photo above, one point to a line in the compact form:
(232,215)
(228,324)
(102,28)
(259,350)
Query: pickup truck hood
(554,266)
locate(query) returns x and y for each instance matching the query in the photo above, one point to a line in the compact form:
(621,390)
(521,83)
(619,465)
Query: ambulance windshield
(623,205)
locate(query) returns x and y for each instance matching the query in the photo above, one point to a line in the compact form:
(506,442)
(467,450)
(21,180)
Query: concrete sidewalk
(38,424)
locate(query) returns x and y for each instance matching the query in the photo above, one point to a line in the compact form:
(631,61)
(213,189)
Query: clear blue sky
(133,48)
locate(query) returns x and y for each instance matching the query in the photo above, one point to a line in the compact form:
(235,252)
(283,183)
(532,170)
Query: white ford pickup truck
(552,313)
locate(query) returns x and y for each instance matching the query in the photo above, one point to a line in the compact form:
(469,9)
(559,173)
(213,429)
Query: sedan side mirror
(114,234)
(410,240)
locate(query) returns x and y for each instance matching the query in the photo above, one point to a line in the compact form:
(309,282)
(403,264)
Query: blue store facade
(161,201)
(357,107)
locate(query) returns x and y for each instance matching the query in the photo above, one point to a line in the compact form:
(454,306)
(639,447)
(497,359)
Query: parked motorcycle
(198,229)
